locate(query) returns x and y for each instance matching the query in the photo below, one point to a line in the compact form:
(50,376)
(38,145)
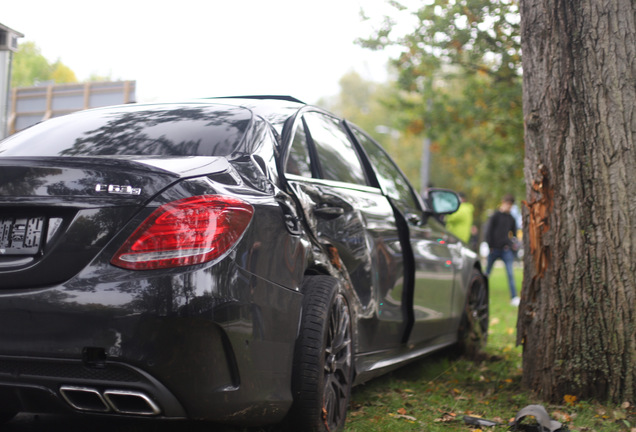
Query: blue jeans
(508,257)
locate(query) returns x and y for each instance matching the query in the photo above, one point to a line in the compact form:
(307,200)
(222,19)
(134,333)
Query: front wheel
(473,328)
(323,362)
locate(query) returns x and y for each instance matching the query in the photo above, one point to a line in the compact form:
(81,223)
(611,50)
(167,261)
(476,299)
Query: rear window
(160,130)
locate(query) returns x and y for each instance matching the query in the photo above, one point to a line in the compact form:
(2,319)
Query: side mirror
(442,201)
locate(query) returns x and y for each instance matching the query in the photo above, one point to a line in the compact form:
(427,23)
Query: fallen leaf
(561,416)
(402,411)
(569,399)
(619,415)
(446,417)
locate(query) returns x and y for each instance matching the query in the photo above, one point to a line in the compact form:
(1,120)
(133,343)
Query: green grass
(435,393)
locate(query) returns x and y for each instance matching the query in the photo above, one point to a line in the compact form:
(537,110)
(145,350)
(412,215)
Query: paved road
(53,423)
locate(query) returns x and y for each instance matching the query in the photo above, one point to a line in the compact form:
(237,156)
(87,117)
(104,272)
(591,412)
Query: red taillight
(185,232)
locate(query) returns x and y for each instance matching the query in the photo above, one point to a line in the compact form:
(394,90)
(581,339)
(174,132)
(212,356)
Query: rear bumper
(59,385)
(170,346)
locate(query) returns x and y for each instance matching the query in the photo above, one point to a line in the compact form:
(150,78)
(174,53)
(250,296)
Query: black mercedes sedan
(234,260)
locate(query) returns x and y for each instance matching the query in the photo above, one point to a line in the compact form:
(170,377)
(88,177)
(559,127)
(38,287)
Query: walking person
(500,231)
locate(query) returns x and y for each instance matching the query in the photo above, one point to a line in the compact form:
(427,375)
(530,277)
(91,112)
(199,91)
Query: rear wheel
(323,363)
(473,329)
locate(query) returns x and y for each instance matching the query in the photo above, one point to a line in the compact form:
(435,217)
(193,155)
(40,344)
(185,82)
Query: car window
(164,130)
(298,161)
(336,154)
(391,179)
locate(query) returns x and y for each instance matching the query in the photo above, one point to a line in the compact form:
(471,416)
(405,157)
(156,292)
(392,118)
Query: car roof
(275,109)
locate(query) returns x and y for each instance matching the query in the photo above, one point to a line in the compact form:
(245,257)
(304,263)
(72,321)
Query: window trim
(354,145)
(335,183)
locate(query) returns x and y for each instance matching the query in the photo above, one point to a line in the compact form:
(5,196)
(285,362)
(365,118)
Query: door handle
(413,218)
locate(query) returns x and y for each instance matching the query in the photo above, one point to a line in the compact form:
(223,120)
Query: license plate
(20,235)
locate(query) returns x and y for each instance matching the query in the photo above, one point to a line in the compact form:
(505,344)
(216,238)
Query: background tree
(577,320)
(459,83)
(96,77)
(30,67)
(61,74)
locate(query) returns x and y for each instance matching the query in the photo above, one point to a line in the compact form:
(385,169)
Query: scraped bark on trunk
(577,320)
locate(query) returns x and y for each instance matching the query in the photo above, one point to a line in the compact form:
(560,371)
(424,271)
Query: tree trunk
(577,320)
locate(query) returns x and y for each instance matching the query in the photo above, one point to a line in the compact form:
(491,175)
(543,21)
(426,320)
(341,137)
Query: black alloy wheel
(473,329)
(323,364)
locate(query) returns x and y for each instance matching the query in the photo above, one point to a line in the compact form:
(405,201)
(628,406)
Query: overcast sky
(196,48)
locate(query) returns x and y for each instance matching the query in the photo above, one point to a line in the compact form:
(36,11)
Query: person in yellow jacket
(460,223)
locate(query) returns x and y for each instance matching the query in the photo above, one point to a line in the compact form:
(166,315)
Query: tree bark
(577,319)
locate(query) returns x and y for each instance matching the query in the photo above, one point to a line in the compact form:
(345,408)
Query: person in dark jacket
(500,230)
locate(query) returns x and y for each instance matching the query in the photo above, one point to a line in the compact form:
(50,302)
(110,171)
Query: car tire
(473,328)
(323,362)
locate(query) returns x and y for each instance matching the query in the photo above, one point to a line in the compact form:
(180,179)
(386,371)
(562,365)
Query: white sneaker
(515,301)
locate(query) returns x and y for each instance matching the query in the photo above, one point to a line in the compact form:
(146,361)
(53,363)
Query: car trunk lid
(57,213)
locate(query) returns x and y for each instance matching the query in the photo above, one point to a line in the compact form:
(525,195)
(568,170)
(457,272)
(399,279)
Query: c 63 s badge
(117,189)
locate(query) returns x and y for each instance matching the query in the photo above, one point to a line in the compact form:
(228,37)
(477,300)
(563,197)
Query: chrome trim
(154,409)
(65,389)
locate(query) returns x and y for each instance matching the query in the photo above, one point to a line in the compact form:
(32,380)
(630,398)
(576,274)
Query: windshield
(151,130)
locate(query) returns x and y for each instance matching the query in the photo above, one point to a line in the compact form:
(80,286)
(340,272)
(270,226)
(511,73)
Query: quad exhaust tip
(131,402)
(119,401)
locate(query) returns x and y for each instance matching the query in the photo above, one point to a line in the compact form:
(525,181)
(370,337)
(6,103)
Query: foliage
(30,67)
(62,73)
(95,77)
(459,82)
